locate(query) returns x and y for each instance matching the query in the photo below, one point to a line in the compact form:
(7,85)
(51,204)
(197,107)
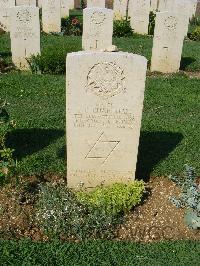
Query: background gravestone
(51,15)
(139,15)
(168,39)
(26,2)
(25,34)
(4,14)
(96,3)
(153,5)
(97,28)
(64,8)
(105,93)
(120,9)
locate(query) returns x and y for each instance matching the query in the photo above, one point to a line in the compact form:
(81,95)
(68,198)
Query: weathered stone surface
(168,41)
(139,14)
(153,5)
(120,8)
(96,3)
(51,15)
(25,34)
(64,8)
(105,94)
(39,3)
(71,4)
(97,28)
(187,7)
(25,2)
(4,13)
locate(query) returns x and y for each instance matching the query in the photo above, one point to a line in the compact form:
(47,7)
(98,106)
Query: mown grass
(99,253)
(59,46)
(169,134)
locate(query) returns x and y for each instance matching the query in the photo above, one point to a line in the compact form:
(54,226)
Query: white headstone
(97,28)
(154,5)
(71,4)
(25,34)
(139,15)
(168,42)
(39,3)
(193,8)
(51,15)
(64,8)
(95,3)
(4,13)
(105,94)
(25,2)
(187,7)
(184,7)
(120,8)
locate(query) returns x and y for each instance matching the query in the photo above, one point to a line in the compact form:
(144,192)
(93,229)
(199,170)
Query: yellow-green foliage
(116,198)
(195,35)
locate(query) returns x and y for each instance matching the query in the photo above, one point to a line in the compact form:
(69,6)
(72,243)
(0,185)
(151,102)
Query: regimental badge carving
(98,18)
(106,80)
(170,23)
(102,148)
(24,16)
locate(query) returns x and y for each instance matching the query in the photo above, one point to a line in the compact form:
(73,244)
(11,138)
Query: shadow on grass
(153,148)
(185,62)
(29,141)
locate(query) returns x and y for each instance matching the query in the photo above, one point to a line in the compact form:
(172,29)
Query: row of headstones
(170,30)
(137,10)
(105,93)
(52,12)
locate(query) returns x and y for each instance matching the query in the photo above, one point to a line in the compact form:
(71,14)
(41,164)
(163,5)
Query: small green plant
(61,214)
(122,28)
(195,34)
(82,2)
(189,198)
(152,17)
(195,21)
(6,154)
(117,198)
(49,62)
(72,26)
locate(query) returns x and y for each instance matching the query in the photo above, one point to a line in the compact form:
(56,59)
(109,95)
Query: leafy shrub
(6,159)
(61,214)
(152,17)
(195,21)
(122,28)
(5,66)
(189,198)
(1,30)
(116,199)
(72,26)
(195,34)
(51,61)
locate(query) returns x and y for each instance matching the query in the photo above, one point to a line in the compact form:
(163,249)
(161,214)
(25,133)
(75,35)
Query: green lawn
(99,253)
(170,125)
(59,46)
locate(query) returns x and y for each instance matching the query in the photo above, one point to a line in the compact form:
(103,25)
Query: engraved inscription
(98,18)
(24,17)
(106,80)
(102,148)
(105,116)
(170,23)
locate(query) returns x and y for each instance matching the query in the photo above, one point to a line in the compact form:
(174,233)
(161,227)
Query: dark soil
(154,220)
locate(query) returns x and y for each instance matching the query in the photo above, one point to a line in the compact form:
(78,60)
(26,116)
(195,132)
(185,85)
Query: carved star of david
(102,148)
